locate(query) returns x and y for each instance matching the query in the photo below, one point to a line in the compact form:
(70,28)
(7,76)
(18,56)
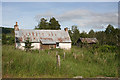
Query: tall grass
(17,63)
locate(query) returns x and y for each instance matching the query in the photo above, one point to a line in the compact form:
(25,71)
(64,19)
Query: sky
(0,13)
(86,15)
(60,0)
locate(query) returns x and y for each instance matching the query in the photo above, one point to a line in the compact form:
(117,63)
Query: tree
(110,35)
(109,29)
(75,35)
(101,36)
(53,23)
(28,45)
(4,40)
(43,24)
(83,34)
(117,37)
(91,33)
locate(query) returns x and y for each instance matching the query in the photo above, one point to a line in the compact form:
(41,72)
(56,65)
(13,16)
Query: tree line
(111,36)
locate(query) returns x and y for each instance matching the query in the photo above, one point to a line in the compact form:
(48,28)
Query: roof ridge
(42,30)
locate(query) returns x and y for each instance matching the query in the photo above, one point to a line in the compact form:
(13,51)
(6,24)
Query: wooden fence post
(82,55)
(39,51)
(74,55)
(58,60)
(64,56)
(48,52)
(56,53)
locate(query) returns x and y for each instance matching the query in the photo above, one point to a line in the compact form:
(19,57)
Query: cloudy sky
(60,0)
(86,15)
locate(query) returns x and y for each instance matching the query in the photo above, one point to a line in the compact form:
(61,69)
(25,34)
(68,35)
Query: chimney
(66,29)
(16,27)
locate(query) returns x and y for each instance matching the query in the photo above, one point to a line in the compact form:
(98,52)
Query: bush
(107,48)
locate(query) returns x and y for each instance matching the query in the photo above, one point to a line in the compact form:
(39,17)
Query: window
(57,44)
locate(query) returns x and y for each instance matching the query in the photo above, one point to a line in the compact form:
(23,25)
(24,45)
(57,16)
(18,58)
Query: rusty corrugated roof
(45,36)
(88,40)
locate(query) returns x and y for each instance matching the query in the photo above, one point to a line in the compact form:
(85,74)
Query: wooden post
(56,53)
(58,60)
(82,55)
(48,52)
(64,56)
(74,55)
(39,51)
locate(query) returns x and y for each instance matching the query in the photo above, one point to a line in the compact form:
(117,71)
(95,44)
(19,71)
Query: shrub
(107,48)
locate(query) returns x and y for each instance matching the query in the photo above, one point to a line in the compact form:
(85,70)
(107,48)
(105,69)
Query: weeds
(18,63)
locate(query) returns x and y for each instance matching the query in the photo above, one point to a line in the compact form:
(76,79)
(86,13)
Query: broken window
(57,44)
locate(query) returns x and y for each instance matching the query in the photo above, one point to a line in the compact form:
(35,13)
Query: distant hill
(7,30)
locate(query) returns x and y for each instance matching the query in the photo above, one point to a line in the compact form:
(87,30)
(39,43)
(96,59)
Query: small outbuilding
(86,41)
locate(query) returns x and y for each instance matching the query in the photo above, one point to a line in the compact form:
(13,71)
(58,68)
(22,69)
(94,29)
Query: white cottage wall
(36,45)
(65,45)
(20,46)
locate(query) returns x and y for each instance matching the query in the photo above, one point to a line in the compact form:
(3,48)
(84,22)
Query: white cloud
(60,0)
(46,15)
(85,18)
(0,14)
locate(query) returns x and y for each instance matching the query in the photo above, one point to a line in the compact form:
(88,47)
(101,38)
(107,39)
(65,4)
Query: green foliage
(43,24)
(7,30)
(91,33)
(75,35)
(101,36)
(4,41)
(83,34)
(118,59)
(52,24)
(8,36)
(109,29)
(111,36)
(10,40)
(107,48)
(21,64)
(28,45)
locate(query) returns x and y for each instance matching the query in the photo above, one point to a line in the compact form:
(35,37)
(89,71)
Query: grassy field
(88,63)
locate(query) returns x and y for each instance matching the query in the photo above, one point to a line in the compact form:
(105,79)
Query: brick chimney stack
(66,29)
(16,28)
(16,23)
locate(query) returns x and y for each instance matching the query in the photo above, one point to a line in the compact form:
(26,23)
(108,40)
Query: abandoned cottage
(42,39)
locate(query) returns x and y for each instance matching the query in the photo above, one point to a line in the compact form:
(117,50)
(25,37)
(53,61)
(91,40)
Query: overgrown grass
(88,63)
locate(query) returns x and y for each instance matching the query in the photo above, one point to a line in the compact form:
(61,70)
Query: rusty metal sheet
(45,36)
(88,40)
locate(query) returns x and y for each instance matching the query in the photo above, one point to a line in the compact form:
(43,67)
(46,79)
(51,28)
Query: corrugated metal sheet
(47,41)
(88,40)
(45,36)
